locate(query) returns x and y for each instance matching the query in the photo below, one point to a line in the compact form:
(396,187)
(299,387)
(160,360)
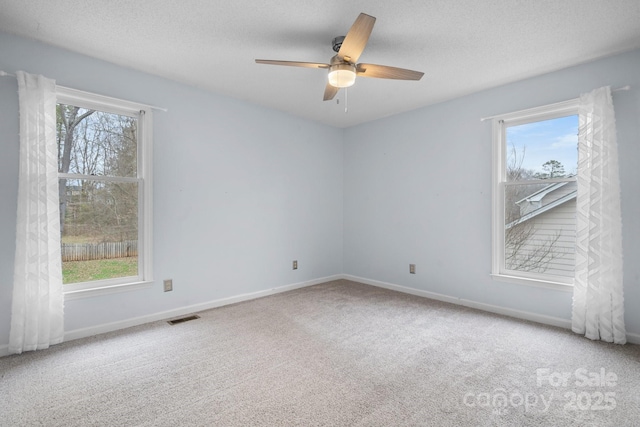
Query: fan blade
(293,63)
(356,39)
(386,72)
(329,92)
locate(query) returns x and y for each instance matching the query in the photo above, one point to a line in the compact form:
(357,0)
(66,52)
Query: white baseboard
(519,314)
(633,338)
(114,326)
(525,315)
(181,311)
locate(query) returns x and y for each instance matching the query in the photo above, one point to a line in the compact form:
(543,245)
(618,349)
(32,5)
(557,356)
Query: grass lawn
(86,271)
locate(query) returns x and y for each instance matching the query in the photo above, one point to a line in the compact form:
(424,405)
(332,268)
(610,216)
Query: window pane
(540,228)
(542,150)
(99,227)
(94,142)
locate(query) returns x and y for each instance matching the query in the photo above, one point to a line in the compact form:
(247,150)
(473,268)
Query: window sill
(538,283)
(105,290)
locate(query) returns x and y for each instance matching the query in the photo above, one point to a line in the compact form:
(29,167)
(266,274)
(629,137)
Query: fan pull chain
(346,101)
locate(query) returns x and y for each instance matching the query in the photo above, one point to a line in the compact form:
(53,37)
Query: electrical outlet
(168,285)
(295,265)
(412,268)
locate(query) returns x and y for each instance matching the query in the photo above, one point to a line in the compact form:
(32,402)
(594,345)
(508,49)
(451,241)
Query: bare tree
(524,251)
(96,143)
(68,118)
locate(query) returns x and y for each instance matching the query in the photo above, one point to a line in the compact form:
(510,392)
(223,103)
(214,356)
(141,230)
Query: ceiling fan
(343,67)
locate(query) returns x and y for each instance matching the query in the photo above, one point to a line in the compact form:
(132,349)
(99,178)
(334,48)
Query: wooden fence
(105,250)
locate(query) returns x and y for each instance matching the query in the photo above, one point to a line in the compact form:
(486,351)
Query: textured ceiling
(462,46)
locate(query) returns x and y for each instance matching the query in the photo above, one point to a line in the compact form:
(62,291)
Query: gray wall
(239,191)
(417,189)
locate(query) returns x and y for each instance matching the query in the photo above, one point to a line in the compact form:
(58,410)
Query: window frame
(144,179)
(498,178)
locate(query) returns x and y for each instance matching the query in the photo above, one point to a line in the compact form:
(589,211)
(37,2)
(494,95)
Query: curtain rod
(618,89)
(153,107)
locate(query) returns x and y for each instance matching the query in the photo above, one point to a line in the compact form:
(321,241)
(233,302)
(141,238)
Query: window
(534,195)
(104,171)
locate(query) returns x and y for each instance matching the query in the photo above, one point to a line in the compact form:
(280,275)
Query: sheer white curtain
(598,305)
(38,300)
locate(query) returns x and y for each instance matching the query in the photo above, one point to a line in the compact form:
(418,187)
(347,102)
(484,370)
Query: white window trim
(144,279)
(498,178)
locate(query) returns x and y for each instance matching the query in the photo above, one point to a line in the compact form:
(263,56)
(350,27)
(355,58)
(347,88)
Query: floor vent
(183,319)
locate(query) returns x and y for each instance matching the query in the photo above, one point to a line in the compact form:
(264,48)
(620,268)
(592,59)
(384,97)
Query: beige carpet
(335,354)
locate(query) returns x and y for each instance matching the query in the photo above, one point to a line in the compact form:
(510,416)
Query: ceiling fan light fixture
(342,75)
(342,68)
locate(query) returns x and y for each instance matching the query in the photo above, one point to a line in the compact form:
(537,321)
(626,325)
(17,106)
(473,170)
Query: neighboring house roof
(538,196)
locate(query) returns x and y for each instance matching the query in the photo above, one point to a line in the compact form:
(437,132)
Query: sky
(555,139)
